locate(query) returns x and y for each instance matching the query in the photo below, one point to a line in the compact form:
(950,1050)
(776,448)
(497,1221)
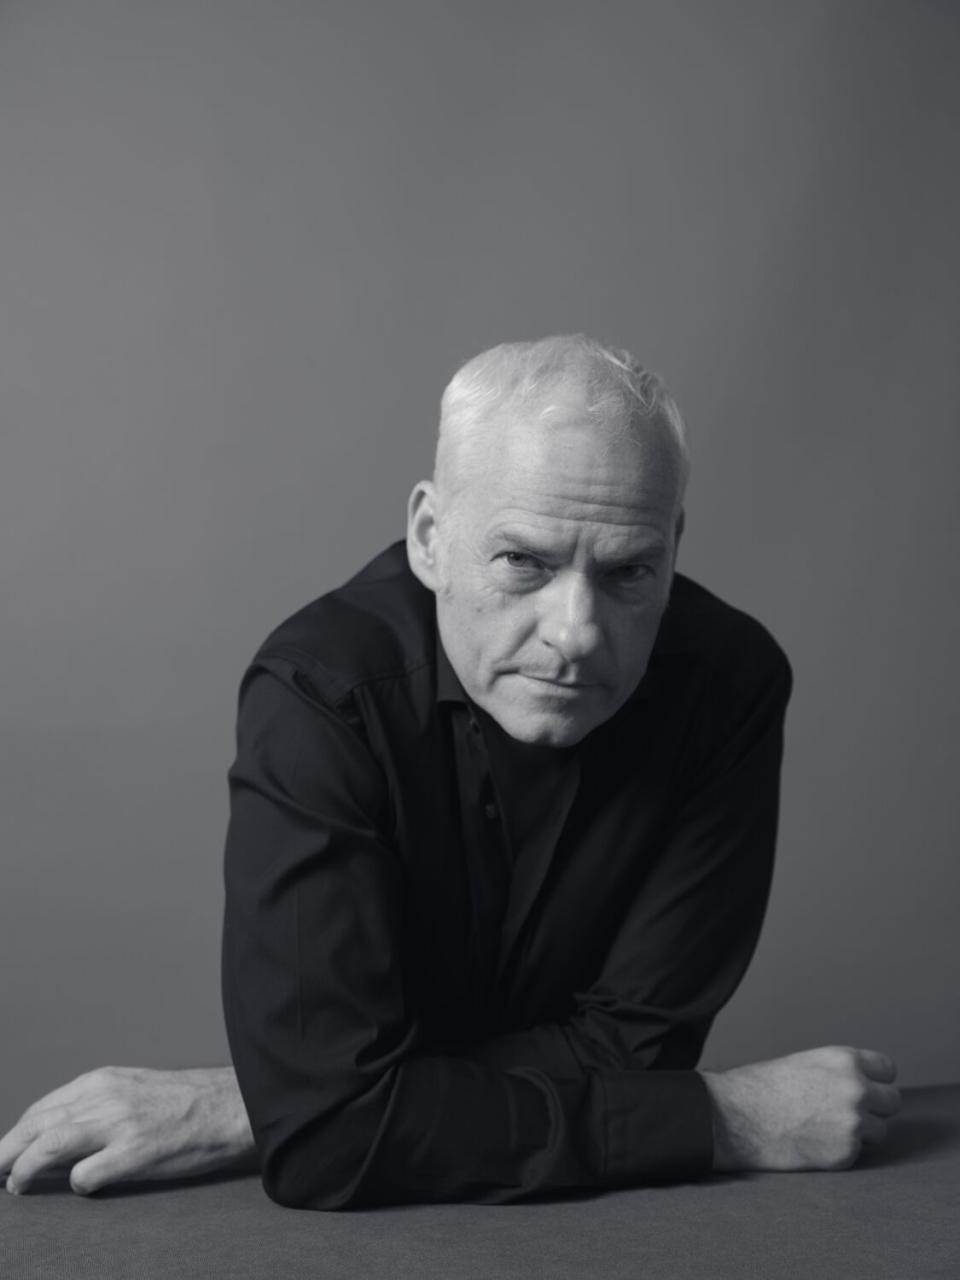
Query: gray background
(243,246)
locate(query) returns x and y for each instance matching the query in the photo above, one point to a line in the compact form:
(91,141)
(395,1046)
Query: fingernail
(14,1191)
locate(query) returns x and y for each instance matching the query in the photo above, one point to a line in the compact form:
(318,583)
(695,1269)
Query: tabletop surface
(896,1214)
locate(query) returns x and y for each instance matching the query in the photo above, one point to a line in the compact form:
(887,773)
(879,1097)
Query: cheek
(497,625)
(473,599)
(469,615)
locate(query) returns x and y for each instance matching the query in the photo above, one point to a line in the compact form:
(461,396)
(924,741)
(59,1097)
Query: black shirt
(458,968)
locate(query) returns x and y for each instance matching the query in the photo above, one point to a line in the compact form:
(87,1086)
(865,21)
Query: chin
(543,730)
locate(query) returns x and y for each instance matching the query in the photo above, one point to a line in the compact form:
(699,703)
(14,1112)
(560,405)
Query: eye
(628,574)
(521,560)
(519,571)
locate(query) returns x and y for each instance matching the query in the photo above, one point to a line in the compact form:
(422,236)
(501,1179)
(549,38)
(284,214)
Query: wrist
(227,1126)
(726,1156)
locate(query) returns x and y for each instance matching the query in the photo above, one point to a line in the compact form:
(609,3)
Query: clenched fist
(120,1124)
(810,1110)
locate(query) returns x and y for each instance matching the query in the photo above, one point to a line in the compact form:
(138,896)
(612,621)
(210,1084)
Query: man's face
(553,567)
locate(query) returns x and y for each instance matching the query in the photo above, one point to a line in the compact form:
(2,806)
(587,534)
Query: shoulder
(378,626)
(727,646)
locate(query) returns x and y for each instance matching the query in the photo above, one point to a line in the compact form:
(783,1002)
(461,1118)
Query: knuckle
(27,1128)
(118,1115)
(53,1141)
(105,1079)
(127,1135)
(835,1057)
(848,1093)
(129,1156)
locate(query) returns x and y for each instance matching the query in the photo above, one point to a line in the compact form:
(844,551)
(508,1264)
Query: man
(502,826)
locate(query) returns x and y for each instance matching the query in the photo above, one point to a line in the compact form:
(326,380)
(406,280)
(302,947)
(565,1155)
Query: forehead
(569,473)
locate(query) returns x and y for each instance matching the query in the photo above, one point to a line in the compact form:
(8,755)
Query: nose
(569,620)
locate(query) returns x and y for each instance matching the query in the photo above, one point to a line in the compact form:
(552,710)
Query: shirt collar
(449,688)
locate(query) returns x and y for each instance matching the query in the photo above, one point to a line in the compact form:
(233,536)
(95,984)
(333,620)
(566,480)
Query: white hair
(534,379)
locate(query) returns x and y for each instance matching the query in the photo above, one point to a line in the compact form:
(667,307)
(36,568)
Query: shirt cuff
(659,1127)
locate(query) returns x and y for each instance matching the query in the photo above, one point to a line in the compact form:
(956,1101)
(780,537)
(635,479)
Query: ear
(422,534)
(677,531)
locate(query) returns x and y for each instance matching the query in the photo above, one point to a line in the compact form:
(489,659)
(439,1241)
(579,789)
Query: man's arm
(808,1110)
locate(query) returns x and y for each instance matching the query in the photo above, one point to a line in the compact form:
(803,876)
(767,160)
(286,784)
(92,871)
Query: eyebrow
(507,539)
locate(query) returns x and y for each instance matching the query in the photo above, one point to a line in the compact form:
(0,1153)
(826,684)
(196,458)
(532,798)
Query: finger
(873,1129)
(876,1066)
(52,1149)
(27,1130)
(12,1143)
(112,1164)
(17,1139)
(882,1099)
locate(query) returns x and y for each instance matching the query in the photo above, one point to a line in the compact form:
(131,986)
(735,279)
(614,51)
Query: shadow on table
(57,1182)
(914,1137)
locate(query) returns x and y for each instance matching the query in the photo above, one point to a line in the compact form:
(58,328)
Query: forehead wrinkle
(600,515)
(501,494)
(574,461)
(607,539)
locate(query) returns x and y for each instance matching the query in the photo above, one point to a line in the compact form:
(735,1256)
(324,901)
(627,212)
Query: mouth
(563,687)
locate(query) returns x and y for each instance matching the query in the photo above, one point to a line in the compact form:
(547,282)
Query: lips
(572,685)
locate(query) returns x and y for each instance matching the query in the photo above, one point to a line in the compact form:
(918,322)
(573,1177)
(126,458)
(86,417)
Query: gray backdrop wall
(242,247)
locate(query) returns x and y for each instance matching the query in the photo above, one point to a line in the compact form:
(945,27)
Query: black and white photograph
(481,639)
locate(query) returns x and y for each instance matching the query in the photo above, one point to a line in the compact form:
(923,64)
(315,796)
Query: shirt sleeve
(348,1106)
(686,940)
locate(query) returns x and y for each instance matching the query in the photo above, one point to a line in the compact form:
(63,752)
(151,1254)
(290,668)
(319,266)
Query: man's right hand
(125,1124)
(810,1110)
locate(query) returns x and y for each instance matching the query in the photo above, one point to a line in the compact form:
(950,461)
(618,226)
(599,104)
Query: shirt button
(490,809)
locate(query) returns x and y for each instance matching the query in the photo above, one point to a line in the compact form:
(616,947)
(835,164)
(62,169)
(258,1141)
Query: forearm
(440,1128)
(495,1121)
(584,1043)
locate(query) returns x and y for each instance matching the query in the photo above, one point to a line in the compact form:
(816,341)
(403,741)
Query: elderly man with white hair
(503,815)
